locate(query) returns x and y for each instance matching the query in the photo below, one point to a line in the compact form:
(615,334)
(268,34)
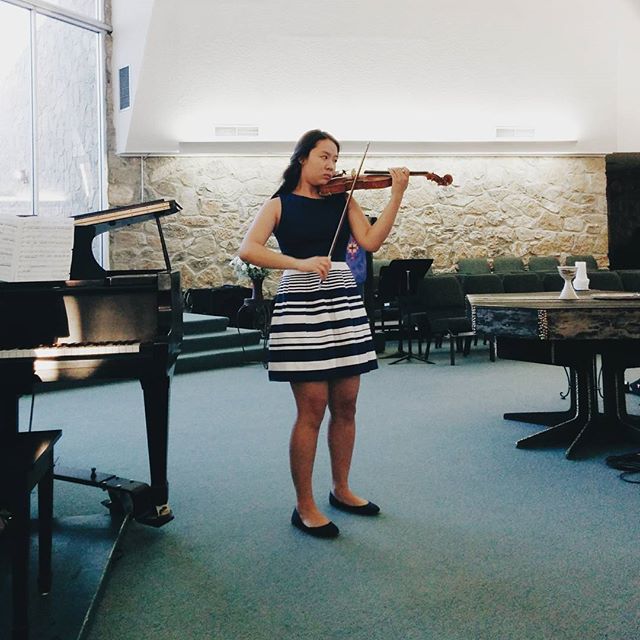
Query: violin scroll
(443,181)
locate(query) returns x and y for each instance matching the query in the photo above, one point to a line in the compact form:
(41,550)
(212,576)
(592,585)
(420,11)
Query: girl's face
(320,165)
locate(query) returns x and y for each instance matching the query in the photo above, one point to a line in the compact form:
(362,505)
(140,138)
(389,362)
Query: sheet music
(8,233)
(35,248)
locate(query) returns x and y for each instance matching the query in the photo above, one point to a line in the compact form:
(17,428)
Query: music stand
(406,275)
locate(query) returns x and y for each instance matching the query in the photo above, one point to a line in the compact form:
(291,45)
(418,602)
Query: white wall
(628,78)
(446,74)
(130,22)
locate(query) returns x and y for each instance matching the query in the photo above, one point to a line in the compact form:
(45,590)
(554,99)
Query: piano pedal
(125,496)
(118,503)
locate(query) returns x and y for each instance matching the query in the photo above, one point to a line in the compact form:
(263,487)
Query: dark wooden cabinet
(623,205)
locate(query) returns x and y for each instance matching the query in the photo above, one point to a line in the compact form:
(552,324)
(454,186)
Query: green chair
(630,279)
(604,280)
(385,297)
(442,314)
(482,283)
(521,282)
(592,264)
(473,266)
(552,282)
(542,264)
(507,264)
(376,265)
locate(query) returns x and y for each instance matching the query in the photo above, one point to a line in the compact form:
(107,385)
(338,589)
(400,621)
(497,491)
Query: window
(51,108)
(68,120)
(89,8)
(15,111)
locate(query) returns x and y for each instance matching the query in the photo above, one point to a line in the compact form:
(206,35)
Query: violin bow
(346,205)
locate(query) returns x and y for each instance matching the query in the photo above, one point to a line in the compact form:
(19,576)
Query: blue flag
(356,258)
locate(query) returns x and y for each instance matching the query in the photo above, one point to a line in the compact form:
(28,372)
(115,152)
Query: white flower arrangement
(247,270)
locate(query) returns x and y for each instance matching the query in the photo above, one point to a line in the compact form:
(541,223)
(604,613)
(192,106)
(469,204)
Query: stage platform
(83,549)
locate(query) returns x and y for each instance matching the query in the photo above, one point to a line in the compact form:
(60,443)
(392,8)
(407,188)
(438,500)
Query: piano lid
(88,225)
(129,214)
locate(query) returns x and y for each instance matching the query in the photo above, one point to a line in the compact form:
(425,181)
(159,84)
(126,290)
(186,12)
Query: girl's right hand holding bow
(317,264)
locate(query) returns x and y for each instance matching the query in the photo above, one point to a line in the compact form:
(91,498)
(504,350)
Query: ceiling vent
(519,133)
(125,95)
(236,131)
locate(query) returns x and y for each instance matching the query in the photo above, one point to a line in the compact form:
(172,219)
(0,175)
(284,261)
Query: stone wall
(500,205)
(519,206)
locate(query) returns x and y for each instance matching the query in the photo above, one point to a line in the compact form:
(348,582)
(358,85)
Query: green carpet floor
(477,540)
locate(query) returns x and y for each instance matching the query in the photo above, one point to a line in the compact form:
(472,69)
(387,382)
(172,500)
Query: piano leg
(8,414)
(155,388)
(15,383)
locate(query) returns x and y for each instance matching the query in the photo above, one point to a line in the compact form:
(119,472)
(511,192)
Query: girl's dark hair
(291,175)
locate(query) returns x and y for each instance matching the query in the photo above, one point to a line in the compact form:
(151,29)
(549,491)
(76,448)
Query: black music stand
(256,314)
(406,275)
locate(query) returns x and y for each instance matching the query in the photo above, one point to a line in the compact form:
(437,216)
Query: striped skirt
(319,329)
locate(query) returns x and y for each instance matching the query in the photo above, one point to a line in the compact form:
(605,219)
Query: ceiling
(409,75)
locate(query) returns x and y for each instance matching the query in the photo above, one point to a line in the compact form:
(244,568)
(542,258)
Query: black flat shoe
(369,509)
(328,530)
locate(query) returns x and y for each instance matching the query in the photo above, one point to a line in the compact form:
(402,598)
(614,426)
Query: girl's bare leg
(311,402)
(343,394)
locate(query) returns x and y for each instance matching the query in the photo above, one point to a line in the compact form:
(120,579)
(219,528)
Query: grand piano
(99,324)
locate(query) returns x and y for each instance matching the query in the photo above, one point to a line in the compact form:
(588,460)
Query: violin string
(346,205)
(443,181)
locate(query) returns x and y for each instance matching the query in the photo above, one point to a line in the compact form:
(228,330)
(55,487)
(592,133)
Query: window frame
(98,26)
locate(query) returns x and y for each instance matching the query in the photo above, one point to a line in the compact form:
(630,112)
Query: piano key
(70,350)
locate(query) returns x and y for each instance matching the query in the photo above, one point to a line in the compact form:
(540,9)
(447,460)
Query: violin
(375,180)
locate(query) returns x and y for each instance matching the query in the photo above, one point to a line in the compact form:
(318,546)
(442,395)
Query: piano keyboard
(71,350)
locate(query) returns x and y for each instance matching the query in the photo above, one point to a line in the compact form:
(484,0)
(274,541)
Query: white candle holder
(581,283)
(568,274)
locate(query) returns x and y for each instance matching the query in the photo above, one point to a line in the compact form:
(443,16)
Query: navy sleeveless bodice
(307,226)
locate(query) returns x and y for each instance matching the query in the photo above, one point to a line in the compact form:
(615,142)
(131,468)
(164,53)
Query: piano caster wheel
(157,516)
(632,387)
(5,516)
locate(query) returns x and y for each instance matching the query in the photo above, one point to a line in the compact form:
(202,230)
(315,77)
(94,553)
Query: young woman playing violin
(319,339)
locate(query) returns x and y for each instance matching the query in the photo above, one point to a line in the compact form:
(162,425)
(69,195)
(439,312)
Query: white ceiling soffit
(413,74)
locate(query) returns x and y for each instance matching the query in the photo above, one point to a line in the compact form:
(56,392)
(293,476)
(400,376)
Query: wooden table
(539,327)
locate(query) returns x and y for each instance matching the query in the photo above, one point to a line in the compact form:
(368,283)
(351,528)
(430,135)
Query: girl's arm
(370,237)
(253,249)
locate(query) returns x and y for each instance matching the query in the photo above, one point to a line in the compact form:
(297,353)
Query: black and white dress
(319,329)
